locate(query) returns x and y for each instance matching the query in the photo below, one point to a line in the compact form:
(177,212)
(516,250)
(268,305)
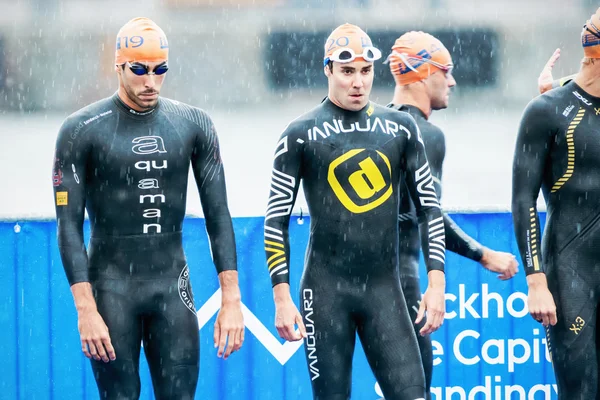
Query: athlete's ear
(117,69)
(327,70)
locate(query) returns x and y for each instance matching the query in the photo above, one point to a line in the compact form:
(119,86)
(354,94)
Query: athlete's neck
(412,96)
(339,104)
(127,101)
(587,78)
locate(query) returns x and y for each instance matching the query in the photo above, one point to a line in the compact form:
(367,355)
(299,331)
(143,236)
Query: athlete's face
(438,88)
(141,90)
(350,84)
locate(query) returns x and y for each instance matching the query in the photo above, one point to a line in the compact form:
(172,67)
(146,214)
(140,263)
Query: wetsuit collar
(342,111)
(130,111)
(584,96)
(408,108)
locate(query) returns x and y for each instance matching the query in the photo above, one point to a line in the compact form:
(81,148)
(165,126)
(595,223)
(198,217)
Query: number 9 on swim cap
(141,40)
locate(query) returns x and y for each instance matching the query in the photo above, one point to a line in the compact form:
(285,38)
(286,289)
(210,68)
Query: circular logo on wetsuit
(361,179)
(185,289)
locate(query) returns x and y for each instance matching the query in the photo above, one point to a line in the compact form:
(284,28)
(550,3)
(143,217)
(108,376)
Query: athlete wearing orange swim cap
(557,150)
(422,68)
(141,56)
(130,155)
(349,155)
(348,62)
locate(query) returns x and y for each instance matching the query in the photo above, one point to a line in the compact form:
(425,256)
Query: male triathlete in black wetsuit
(350,155)
(125,160)
(558,151)
(422,68)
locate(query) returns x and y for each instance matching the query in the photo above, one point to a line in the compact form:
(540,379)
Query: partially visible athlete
(125,159)
(350,155)
(558,151)
(422,68)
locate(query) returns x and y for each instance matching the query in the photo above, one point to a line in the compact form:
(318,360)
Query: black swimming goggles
(141,69)
(595,32)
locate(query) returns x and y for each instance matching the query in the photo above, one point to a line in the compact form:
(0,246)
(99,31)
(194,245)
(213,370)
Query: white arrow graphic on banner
(281,352)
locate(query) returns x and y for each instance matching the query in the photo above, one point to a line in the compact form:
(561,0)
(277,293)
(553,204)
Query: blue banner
(489,348)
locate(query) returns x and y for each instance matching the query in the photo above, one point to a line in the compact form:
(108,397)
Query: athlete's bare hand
(540,301)
(287,315)
(505,264)
(229,328)
(434,303)
(545,79)
(95,339)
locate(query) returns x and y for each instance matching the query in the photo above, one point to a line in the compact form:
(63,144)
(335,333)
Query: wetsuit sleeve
(420,186)
(210,179)
(285,180)
(69,181)
(457,241)
(531,152)
(563,81)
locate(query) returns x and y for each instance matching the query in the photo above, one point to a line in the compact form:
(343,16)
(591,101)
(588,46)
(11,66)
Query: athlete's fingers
(514,266)
(237,344)
(536,315)
(301,326)
(222,342)
(216,334)
(230,334)
(281,332)
(291,332)
(426,330)
(93,350)
(421,313)
(85,349)
(545,319)
(110,350)
(239,339)
(437,322)
(100,348)
(553,318)
(284,330)
(555,56)
(235,339)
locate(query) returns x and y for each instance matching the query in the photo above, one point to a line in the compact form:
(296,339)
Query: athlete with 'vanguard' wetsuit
(350,155)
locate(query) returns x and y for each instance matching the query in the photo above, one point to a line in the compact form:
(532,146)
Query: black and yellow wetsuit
(351,163)
(558,151)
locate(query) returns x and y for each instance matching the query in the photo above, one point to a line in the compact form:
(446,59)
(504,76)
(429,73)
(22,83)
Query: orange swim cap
(590,36)
(141,40)
(415,55)
(347,36)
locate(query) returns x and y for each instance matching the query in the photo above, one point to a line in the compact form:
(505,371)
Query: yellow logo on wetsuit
(361,179)
(62,198)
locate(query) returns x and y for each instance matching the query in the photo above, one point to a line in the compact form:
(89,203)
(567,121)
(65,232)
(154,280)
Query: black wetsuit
(351,164)
(456,240)
(130,172)
(558,151)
